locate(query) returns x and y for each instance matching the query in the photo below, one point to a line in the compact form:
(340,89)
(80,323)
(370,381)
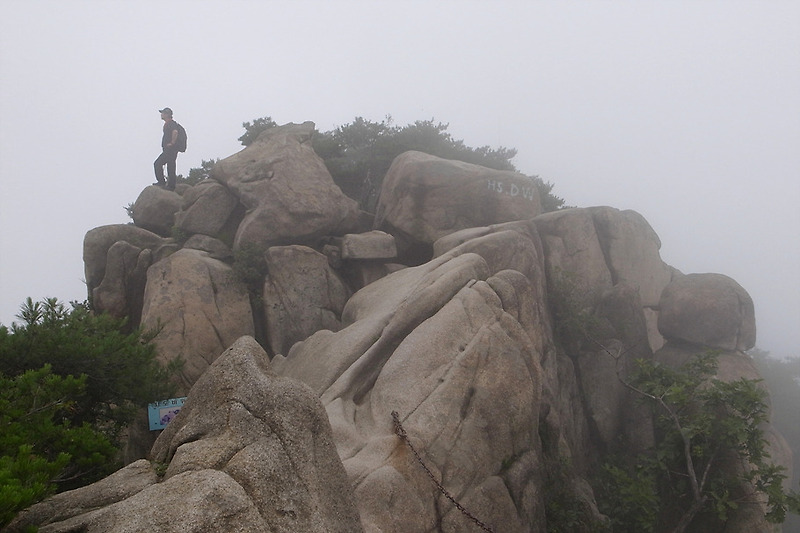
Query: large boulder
(289,195)
(453,347)
(708,309)
(424,197)
(302,294)
(249,452)
(198,307)
(155,208)
(205,209)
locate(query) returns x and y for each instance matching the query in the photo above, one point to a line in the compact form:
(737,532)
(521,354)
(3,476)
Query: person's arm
(174,137)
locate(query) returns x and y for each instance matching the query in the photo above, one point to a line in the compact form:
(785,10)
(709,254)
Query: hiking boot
(160,183)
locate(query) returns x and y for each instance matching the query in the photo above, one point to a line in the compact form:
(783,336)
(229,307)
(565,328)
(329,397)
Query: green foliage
(70,381)
(198,174)
(250,267)
(40,448)
(180,235)
(628,497)
(254,129)
(572,305)
(782,377)
(550,202)
(564,510)
(121,368)
(707,430)
(359,154)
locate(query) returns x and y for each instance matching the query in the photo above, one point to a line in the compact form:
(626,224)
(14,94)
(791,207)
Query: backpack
(181,138)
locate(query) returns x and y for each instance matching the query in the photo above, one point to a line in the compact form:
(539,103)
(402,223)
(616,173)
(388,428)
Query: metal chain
(401,432)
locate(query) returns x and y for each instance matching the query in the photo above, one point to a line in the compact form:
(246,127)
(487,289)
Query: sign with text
(160,413)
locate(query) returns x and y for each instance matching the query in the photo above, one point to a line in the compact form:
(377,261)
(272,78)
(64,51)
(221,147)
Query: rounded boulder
(708,309)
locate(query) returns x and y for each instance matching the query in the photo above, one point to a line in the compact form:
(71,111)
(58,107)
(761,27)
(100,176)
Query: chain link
(401,432)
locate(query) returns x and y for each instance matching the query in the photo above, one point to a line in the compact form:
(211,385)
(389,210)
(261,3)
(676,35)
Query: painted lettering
(512,189)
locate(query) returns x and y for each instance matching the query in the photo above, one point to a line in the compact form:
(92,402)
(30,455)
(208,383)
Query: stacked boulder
(441,320)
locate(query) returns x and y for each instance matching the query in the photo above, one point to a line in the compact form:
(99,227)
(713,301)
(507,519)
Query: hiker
(169,150)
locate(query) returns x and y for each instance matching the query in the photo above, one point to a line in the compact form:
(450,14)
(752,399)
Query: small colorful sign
(162,412)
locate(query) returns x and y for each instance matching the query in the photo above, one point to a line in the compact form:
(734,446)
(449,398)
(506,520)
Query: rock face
(286,189)
(199,308)
(440,345)
(594,249)
(249,452)
(301,296)
(424,198)
(497,334)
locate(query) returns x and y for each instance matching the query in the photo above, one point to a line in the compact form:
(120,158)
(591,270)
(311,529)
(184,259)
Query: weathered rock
(371,245)
(620,336)
(288,192)
(708,309)
(442,344)
(199,308)
(155,208)
(359,274)
(632,248)
(461,346)
(573,249)
(50,514)
(302,295)
(122,289)
(98,240)
(205,209)
(589,250)
(424,198)
(249,452)
(215,247)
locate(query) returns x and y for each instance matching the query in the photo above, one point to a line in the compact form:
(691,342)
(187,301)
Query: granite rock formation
(465,311)
(249,452)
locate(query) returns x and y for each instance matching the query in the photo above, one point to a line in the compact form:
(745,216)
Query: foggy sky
(687,112)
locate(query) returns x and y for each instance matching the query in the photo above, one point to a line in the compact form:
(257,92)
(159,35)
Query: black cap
(165,110)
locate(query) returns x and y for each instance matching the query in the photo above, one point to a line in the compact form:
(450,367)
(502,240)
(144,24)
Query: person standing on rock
(169,151)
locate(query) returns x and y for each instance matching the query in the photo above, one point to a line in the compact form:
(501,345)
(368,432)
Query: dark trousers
(167,157)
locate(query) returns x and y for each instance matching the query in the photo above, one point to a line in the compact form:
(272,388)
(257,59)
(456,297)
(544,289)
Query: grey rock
(424,198)
(249,452)
(302,294)
(198,307)
(440,345)
(286,189)
(122,289)
(708,309)
(371,245)
(155,208)
(205,209)
(98,240)
(590,250)
(215,247)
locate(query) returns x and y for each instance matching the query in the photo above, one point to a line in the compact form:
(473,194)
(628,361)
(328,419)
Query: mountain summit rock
(498,335)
